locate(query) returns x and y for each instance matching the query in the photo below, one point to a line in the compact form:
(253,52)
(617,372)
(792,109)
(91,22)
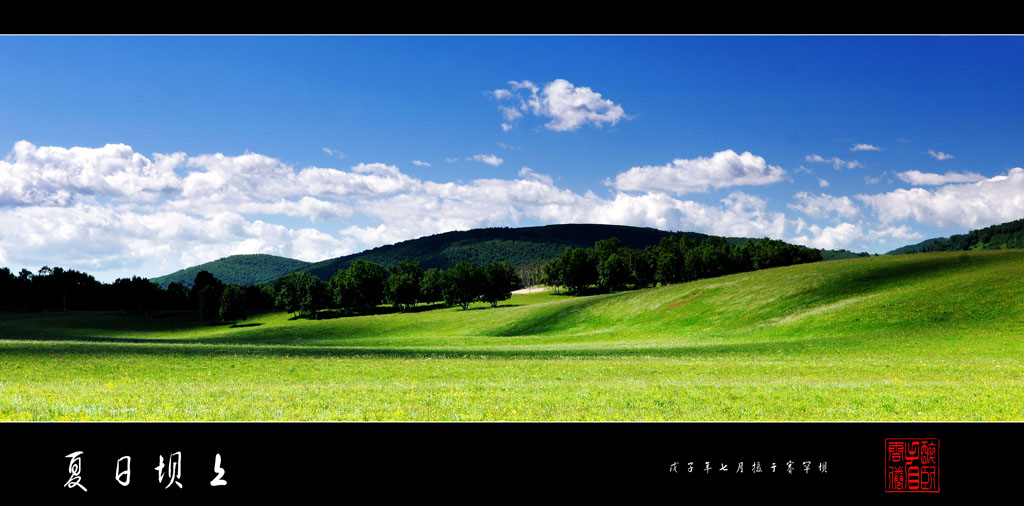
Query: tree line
(364,285)
(56,289)
(359,289)
(611,266)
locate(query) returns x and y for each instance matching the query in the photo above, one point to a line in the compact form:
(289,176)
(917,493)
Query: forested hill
(1008,235)
(237,269)
(519,246)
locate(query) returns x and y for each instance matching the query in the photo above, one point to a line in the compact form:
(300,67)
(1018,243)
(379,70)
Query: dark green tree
(288,293)
(202,280)
(208,300)
(613,273)
(404,283)
(500,279)
(233,304)
(643,264)
(461,284)
(367,284)
(430,286)
(578,269)
(313,294)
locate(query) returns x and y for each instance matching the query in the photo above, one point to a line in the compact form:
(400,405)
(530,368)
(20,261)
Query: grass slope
(918,337)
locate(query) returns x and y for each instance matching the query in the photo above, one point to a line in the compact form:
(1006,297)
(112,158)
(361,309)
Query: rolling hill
(1009,235)
(902,337)
(519,246)
(236,269)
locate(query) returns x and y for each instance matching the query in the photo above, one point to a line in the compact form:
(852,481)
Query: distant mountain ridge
(520,246)
(1009,235)
(237,269)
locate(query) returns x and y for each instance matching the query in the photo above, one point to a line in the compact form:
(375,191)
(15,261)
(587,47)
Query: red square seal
(912,465)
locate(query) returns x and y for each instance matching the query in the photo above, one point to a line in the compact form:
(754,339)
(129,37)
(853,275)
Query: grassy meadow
(936,336)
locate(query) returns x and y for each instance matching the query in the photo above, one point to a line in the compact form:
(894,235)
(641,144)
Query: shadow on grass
(98,347)
(544,320)
(331,314)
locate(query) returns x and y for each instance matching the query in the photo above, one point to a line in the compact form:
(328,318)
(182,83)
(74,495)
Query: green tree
(578,269)
(613,273)
(202,280)
(367,284)
(461,284)
(313,294)
(288,296)
(500,279)
(552,273)
(208,300)
(233,303)
(643,265)
(404,283)
(430,286)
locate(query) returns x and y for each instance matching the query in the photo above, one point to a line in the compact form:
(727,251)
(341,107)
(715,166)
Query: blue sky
(143,155)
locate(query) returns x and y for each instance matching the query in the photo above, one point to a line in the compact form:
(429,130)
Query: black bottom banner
(172,461)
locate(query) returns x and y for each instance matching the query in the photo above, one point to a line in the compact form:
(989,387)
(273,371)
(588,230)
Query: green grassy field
(911,337)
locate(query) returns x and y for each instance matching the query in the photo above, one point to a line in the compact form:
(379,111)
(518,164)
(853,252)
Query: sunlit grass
(916,337)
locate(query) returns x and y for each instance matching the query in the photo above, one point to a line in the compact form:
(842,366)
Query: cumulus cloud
(824,205)
(50,175)
(835,161)
(491,160)
(840,236)
(865,147)
(121,238)
(822,183)
(988,201)
(528,173)
(569,107)
(939,155)
(901,233)
(723,169)
(110,210)
(919,178)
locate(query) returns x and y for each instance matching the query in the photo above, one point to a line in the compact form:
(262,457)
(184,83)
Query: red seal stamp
(912,465)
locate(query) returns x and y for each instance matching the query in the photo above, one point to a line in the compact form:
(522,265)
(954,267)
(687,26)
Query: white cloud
(420,163)
(989,201)
(865,147)
(835,161)
(51,175)
(939,155)
(919,178)
(901,233)
(840,236)
(568,106)
(491,160)
(121,238)
(528,173)
(824,205)
(115,211)
(723,169)
(333,152)
(152,221)
(822,183)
